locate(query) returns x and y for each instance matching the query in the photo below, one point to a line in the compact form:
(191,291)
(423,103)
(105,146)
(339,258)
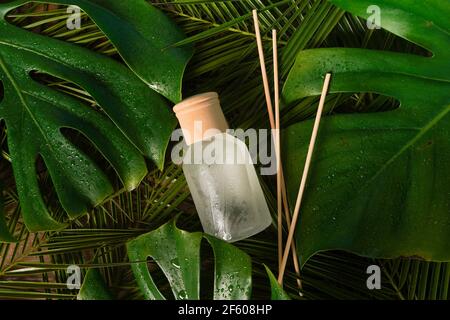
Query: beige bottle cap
(200,117)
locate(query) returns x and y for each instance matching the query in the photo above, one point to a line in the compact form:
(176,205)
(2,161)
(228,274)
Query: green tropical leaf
(143,40)
(379,182)
(177,253)
(277,291)
(94,287)
(135,121)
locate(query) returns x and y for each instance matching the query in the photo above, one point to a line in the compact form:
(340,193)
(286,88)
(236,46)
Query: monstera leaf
(143,36)
(379,183)
(177,253)
(135,120)
(94,287)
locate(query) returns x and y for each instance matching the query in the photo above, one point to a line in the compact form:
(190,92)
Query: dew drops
(182,295)
(175,263)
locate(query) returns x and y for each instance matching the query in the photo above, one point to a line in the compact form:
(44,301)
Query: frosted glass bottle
(219,172)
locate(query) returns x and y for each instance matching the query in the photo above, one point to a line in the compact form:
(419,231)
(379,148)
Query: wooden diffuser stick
(277,145)
(273,127)
(263,69)
(304,176)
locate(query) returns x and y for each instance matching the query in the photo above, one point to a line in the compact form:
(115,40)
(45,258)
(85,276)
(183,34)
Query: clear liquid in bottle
(219,172)
(227,194)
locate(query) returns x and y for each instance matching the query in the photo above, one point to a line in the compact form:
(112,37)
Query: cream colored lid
(200,117)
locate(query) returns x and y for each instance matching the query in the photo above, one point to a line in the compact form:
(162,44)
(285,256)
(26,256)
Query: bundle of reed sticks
(282,202)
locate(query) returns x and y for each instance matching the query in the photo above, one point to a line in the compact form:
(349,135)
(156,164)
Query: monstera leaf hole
(372,102)
(377,39)
(66,87)
(47,188)
(2,91)
(45,181)
(358,102)
(206,270)
(160,278)
(61,85)
(82,143)
(5,148)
